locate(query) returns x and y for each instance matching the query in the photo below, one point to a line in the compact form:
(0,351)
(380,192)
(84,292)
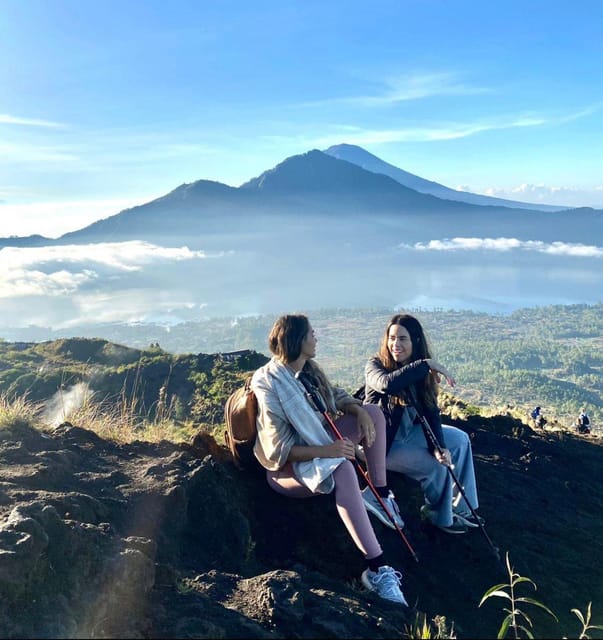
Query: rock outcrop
(99,539)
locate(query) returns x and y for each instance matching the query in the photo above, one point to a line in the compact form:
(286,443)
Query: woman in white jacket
(302,458)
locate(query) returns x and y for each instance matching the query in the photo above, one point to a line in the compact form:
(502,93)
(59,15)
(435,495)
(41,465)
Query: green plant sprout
(585,622)
(514,616)
(436,629)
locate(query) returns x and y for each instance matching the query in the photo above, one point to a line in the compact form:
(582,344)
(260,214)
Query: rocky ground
(163,540)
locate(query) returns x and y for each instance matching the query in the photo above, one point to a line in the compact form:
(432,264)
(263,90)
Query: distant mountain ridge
(370,162)
(318,184)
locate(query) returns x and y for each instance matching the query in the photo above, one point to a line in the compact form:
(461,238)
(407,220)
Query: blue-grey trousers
(411,457)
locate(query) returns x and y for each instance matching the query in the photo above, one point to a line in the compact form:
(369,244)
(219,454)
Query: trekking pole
(449,466)
(319,403)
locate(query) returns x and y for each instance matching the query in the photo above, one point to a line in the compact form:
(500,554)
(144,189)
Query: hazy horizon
(136,281)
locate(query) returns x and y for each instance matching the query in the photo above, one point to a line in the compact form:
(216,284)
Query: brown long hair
(285,342)
(427,391)
(287,336)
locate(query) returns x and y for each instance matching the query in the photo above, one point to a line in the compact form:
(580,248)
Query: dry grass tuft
(118,421)
(15,412)
(122,422)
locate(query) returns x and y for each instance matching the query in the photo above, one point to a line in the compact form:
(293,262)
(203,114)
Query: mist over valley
(315,231)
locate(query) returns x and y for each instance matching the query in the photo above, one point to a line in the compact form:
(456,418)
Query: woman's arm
(352,406)
(337,449)
(280,442)
(276,437)
(393,382)
(439,370)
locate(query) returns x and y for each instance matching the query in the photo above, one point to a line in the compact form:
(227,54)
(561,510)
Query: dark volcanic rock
(99,539)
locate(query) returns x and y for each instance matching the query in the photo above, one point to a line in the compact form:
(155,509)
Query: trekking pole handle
(439,449)
(430,434)
(434,441)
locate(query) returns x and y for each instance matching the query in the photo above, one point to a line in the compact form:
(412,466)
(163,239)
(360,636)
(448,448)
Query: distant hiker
(302,457)
(583,422)
(402,379)
(539,419)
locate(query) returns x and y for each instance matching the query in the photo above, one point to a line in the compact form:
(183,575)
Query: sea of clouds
(104,282)
(508,244)
(69,285)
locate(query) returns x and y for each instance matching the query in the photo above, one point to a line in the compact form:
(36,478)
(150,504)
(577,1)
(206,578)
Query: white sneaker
(374,506)
(385,583)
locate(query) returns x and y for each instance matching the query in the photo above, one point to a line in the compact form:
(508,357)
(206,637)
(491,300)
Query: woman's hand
(365,423)
(439,370)
(366,426)
(443,457)
(340,449)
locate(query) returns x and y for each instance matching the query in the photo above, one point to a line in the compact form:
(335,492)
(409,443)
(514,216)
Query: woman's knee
(345,474)
(284,482)
(455,438)
(376,415)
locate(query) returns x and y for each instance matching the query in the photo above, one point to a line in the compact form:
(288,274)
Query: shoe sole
(425,516)
(452,531)
(467,523)
(366,582)
(383,518)
(449,529)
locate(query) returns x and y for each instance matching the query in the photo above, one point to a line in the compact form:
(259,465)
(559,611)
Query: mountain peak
(318,172)
(370,162)
(346,151)
(310,170)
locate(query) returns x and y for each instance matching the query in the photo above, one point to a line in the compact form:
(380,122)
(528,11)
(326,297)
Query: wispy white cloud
(5,118)
(434,132)
(358,136)
(581,113)
(25,153)
(53,219)
(92,151)
(32,282)
(413,86)
(508,244)
(568,196)
(131,306)
(63,270)
(451,131)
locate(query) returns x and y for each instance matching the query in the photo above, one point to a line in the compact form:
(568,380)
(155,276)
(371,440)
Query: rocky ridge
(99,539)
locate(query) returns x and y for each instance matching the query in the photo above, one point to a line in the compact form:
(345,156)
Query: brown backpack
(240,413)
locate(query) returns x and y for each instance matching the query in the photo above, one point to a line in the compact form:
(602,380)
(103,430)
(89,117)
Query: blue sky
(104,105)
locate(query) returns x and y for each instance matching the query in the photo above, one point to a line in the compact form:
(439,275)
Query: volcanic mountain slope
(327,187)
(99,539)
(370,162)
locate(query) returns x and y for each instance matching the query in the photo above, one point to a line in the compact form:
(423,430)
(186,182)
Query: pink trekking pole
(319,403)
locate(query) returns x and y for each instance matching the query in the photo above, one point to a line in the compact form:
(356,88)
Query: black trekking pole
(319,403)
(449,466)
